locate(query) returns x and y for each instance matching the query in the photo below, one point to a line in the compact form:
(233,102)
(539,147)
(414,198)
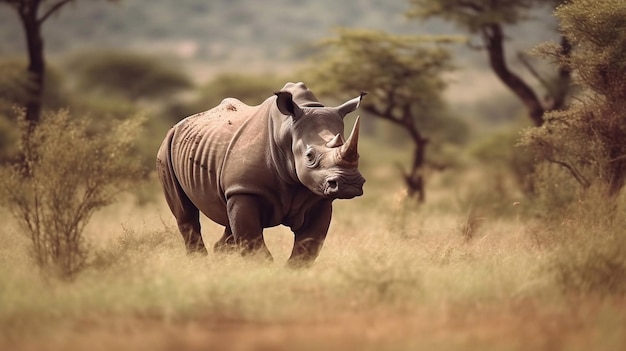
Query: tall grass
(517,282)
(143,271)
(591,256)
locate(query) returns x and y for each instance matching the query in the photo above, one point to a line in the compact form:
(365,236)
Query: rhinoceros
(252,167)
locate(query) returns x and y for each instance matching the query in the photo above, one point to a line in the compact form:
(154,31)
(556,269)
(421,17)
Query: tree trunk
(564,78)
(36,63)
(414,179)
(494,39)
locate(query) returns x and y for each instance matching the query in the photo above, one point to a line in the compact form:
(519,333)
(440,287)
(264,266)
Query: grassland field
(450,274)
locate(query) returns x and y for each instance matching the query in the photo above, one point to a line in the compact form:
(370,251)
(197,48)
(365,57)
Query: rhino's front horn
(349,151)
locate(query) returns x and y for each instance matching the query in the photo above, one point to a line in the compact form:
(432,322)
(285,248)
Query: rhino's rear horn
(349,150)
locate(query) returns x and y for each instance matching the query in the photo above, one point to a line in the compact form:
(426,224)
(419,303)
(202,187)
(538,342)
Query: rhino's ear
(286,106)
(350,105)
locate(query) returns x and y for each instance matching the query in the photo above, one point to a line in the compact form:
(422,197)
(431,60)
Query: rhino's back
(212,147)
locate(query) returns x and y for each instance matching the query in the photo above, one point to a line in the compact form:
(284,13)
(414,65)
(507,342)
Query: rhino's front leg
(226,243)
(310,238)
(244,216)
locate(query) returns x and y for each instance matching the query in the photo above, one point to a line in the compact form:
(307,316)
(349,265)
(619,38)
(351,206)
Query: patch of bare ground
(523,325)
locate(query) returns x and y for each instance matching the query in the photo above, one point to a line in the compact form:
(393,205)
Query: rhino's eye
(312,158)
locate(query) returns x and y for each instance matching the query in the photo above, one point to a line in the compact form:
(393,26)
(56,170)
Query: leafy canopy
(128,75)
(395,70)
(474,14)
(589,138)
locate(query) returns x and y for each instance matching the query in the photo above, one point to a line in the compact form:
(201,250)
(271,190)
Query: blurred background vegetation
(493,143)
(452,83)
(109,59)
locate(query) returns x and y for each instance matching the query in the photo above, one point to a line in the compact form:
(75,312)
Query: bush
(587,139)
(591,259)
(500,155)
(128,75)
(250,88)
(554,192)
(66,175)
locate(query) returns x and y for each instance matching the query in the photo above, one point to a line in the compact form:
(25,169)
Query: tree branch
(54,8)
(564,77)
(494,38)
(579,177)
(471,6)
(382,114)
(390,103)
(534,73)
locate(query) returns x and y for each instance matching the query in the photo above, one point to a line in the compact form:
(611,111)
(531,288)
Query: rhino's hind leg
(189,227)
(186,213)
(188,220)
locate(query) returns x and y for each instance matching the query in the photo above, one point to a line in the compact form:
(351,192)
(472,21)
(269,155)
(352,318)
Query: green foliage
(404,78)
(66,175)
(408,67)
(16,92)
(15,86)
(598,33)
(219,30)
(252,89)
(128,75)
(474,14)
(587,139)
(500,154)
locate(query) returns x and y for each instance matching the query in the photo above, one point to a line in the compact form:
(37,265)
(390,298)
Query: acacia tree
(487,20)
(589,139)
(32,14)
(403,75)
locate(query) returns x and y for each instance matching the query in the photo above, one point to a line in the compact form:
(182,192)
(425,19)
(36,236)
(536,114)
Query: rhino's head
(325,162)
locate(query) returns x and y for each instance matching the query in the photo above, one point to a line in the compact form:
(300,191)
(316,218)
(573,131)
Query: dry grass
(392,276)
(521,326)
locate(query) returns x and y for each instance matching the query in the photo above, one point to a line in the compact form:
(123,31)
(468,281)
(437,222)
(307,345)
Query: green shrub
(128,75)
(250,88)
(501,154)
(66,175)
(587,139)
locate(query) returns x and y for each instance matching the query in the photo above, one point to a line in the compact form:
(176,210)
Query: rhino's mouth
(343,186)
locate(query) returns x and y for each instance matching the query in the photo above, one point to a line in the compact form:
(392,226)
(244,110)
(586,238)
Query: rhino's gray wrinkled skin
(252,167)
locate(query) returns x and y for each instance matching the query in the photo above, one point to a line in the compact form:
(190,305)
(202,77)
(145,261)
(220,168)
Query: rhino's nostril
(332,185)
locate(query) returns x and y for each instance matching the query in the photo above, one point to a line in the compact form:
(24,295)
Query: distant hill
(216,30)
(210,36)
(208,29)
